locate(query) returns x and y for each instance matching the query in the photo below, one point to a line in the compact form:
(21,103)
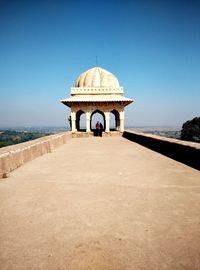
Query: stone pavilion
(97,91)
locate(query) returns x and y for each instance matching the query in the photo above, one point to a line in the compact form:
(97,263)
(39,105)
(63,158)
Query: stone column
(73,118)
(121,128)
(88,116)
(107,117)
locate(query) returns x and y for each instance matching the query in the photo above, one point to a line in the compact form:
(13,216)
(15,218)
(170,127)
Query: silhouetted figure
(70,122)
(101,129)
(97,128)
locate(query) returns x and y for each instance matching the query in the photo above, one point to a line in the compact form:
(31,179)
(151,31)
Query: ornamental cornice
(96,90)
(92,108)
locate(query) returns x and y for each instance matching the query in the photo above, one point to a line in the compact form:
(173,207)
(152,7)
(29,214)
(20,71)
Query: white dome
(97,77)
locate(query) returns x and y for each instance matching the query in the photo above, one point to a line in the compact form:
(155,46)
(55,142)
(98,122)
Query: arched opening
(97,115)
(114,120)
(81,121)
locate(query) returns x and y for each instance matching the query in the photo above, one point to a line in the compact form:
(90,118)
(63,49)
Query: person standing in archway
(97,128)
(70,122)
(101,129)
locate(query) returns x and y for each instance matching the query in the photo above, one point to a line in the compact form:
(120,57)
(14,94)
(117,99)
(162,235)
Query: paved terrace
(100,203)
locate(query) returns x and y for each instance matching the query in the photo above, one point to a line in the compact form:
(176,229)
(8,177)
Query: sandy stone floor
(100,203)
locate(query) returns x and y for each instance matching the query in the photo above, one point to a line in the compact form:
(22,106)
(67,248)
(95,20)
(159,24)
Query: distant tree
(191,130)
(9,137)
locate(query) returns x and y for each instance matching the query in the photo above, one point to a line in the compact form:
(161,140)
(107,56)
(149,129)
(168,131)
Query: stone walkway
(100,203)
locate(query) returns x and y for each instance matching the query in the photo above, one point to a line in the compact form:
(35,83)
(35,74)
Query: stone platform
(92,134)
(100,203)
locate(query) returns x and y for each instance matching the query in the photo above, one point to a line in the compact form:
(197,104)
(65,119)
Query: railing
(11,157)
(183,151)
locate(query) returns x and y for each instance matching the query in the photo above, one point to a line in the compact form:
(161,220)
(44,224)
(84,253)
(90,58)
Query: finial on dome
(96,61)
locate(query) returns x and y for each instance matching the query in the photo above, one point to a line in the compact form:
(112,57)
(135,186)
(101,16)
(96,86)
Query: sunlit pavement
(100,203)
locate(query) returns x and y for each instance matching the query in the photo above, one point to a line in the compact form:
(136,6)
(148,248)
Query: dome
(97,77)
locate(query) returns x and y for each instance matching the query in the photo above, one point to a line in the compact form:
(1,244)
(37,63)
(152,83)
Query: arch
(102,114)
(80,125)
(117,119)
(112,122)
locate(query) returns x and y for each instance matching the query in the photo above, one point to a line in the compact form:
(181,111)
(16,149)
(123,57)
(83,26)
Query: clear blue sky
(153,47)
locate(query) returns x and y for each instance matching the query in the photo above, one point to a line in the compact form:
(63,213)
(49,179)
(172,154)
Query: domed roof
(97,77)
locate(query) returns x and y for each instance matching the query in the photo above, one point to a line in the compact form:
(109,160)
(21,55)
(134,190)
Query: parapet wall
(183,151)
(11,157)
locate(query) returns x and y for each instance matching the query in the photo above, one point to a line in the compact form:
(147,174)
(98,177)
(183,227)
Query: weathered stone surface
(183,151)
(100,203)
(170,140)
(11,157)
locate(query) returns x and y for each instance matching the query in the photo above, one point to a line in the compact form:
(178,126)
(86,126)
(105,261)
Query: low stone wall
(11,157)
(183,151)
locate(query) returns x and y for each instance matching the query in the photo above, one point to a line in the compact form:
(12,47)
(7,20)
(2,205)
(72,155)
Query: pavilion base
(91,134)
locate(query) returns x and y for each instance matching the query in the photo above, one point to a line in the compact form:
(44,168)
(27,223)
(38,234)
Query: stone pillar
(121,128)
(107,117)
(88,116)
(73,118)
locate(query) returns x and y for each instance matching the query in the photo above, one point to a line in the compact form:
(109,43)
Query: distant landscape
(169,132)
(15,135)
(10,137)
